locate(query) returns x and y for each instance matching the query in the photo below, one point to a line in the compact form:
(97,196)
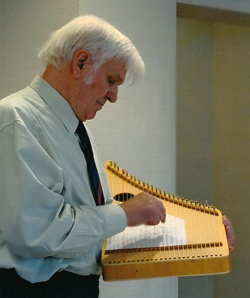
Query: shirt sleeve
(35,221)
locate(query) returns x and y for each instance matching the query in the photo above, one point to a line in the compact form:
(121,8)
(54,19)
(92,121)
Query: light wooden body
(206,251)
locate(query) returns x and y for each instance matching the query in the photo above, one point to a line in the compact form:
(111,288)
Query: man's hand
(144,209)
(229,232)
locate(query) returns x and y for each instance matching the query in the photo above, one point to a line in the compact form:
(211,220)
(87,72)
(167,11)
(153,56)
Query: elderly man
(54,212)
(55,204)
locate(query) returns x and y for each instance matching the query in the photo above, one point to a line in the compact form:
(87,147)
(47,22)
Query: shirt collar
(58,103)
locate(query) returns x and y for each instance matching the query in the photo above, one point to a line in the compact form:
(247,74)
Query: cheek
(100,87)
(97,89)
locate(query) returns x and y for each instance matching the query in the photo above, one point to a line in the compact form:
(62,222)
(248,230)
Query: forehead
(115,68)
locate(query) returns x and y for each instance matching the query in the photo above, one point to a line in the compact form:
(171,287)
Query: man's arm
(35,220)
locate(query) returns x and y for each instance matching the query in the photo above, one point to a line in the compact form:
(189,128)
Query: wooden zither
(204,252)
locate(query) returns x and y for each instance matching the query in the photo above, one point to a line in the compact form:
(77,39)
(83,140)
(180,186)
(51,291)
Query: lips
(100,105)
(101,102)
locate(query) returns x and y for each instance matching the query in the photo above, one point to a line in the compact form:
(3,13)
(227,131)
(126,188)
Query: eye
(111,81)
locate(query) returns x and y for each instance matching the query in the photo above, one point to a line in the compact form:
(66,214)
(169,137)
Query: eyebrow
(119,79)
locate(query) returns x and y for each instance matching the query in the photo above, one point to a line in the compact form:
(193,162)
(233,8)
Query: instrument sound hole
(122,197)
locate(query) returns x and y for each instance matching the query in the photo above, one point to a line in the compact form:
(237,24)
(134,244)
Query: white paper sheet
(170,233)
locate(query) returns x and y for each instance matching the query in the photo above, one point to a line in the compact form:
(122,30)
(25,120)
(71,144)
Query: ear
(81,64)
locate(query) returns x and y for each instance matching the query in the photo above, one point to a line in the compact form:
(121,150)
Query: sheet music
(172,232)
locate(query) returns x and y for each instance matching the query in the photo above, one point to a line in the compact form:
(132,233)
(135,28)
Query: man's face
(90,97)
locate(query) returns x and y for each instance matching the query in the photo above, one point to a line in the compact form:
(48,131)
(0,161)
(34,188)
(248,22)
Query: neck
(58,79)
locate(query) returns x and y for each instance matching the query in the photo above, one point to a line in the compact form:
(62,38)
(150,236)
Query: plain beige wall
(25,26)
(231,147)
(239,5)
(213,135)
(194,129)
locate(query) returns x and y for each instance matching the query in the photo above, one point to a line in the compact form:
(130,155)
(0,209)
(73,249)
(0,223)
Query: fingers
(164,218)
(156,219)
(229,232)
(144,209)
(156,211)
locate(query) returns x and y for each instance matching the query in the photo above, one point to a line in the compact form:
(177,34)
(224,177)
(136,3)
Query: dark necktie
(91,166)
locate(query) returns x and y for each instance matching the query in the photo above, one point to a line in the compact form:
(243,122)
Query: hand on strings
(144,209)
(229,232)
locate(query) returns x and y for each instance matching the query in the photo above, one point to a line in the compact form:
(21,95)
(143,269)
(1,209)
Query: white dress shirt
(48,217)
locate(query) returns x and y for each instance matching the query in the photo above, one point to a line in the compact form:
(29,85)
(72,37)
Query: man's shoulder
(25,105)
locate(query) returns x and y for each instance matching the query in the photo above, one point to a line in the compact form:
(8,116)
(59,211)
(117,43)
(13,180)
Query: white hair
(96,36)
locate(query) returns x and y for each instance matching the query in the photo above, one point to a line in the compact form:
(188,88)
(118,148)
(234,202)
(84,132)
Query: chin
(90,117)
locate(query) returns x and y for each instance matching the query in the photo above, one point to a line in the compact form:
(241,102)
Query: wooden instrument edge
(134,264)
(178,267)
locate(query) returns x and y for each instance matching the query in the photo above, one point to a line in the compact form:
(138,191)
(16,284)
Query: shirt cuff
(115,219)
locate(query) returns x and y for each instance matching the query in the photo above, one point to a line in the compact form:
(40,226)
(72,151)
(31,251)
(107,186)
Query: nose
(112,93)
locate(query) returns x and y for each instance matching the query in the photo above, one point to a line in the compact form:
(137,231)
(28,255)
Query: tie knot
(82,133)
(80,127)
